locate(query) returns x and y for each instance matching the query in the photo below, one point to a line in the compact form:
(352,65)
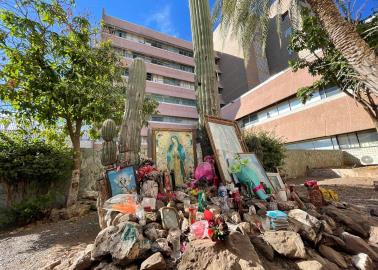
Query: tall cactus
(129,136)
(206,82)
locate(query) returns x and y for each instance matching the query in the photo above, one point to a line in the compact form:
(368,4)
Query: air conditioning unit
(369,160)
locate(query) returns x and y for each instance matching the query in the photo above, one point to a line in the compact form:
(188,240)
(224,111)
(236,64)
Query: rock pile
(335,236)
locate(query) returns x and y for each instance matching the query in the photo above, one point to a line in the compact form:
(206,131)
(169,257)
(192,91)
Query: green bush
(25,212)
(268,148)
(33,159)
(32,168)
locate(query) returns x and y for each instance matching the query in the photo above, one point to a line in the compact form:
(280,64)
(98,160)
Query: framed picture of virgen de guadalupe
(226,141)
(175,150)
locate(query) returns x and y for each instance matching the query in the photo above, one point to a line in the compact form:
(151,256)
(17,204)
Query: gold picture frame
(167,157)
(226,141)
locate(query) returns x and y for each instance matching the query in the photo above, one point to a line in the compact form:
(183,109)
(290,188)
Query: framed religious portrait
(121,181)
(276,181)
(226,141)
(257,167)
(175,150)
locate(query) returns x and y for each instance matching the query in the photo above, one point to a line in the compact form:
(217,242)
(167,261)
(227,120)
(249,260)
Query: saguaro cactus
(206,83)
(129,136)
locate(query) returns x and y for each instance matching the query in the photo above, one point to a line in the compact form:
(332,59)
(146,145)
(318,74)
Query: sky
(167,16)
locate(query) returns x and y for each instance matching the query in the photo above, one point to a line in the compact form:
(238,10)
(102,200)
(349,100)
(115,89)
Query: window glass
(272,112)
(283,107)
(262,115)
(315,97)
(323,144)
(295,103)
(335,143)
(332,91)
(368,138)
(348,141)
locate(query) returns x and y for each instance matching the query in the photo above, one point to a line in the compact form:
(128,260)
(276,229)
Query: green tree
(54,71)
(247,18)
(326,61)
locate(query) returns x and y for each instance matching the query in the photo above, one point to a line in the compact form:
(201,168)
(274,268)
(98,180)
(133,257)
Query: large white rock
(310,265)
(286,243)
(373,235)
(304,218)
(154,262)
(236,252)
(362,262)
(125,243)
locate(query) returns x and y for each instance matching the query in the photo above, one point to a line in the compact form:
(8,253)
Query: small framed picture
(122,181)
(276,181)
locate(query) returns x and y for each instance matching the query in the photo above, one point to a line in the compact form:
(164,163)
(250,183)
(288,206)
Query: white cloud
(162,21)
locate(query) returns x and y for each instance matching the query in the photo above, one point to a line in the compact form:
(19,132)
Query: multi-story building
(170,70)
(263,97)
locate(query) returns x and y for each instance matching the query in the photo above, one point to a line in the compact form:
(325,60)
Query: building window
(348,141)
(149,77)
(174,100)
(368,138)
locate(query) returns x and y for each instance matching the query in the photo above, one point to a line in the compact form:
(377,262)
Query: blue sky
(167,16)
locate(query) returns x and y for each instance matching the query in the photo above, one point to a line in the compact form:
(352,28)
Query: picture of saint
(174,150)
(176,160)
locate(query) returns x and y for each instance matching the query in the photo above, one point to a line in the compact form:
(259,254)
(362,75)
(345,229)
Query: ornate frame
(153,141)
(212,119)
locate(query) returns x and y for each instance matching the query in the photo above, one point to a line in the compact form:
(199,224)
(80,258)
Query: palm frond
(248,20)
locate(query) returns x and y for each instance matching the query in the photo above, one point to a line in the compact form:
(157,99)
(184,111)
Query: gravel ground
(37,245)
(356,191)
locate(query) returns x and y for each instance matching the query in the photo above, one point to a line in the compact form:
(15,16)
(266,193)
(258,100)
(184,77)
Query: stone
(327,265)
(162,233)
(52,265)
(355,245)
(287,206)
(185,225)
(124,243)
(244,228)
(356,222)
(310,265)
(236,252)
(373,239)
(154,262)
(362,262)
(83,261)
(304,218)
(333,256)
(235,217)
(304,230)
(120,218)
(107,266)
(263,247)
(151,234)
(286,243)
(151,217)
(161,245)
(332,240)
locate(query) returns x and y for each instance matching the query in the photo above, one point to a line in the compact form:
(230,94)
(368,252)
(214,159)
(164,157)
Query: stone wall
(91,169)
(298,162)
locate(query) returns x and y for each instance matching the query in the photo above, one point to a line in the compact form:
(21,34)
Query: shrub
(32,168)
(26,159)
(268,148)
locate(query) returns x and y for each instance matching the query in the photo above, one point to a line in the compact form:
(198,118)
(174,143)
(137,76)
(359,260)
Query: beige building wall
(238,74)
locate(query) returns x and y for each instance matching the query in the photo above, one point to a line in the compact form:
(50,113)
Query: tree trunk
(75,178)
(344,36)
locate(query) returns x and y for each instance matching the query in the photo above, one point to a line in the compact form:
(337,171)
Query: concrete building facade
(328,120)
(170,71)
